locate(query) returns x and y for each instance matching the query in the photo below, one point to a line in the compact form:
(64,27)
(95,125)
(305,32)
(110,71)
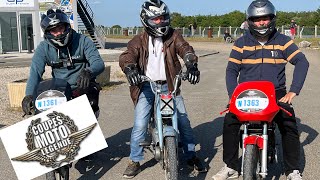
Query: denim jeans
(142,115)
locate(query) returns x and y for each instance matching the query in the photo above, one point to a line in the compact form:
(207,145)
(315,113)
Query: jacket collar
(167,40)
(272,36)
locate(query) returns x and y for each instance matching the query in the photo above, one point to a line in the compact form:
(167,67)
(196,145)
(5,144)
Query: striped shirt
(251,61)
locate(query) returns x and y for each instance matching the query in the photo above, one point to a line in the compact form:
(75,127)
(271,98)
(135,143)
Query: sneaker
(226,173)
(295,175)
(132,170)
(195,163)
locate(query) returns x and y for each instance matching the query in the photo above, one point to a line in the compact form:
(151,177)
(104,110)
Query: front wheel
(171,159)
(51,175)
(250,162)
(61,173)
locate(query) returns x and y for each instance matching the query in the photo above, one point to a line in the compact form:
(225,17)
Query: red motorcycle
(254,104)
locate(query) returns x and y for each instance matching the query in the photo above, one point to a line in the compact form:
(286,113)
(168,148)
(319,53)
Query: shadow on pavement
(106,158)
(115,45)
(311,136)
(205,135)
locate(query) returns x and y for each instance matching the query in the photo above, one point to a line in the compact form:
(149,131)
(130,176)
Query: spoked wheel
(251,163)
(61,173)
(170,159)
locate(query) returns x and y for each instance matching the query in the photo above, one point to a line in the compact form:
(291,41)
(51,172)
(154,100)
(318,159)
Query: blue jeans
(142,115)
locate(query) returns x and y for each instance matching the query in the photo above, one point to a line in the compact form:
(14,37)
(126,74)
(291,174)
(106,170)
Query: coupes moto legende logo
(53,140)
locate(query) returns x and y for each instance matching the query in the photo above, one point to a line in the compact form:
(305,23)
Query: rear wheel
(170,159)
(250,162)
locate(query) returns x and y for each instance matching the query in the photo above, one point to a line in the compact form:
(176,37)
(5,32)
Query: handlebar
(177,80)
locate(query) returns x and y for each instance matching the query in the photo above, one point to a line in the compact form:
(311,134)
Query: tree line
(235,18)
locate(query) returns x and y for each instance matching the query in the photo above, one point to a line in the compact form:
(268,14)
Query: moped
(255,106)
(48,94)
(163,127)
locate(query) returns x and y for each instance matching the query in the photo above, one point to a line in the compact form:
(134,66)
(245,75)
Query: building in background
(20,29)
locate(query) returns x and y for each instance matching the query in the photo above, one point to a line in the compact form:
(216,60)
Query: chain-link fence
(217,32)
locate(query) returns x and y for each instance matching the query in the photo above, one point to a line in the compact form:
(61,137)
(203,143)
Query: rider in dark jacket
(262,54)
(73,57)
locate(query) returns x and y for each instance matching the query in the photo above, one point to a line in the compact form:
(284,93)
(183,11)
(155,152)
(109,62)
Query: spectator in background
(227,37)
(293,28)
(244,27)
(190,28)
(194,26)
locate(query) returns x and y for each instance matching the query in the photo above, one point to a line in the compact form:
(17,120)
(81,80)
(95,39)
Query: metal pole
(1,50)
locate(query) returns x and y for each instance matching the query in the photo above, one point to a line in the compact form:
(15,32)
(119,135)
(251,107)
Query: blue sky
(126,12)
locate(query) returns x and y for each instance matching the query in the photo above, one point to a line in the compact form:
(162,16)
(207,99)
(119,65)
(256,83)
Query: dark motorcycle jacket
(251,61)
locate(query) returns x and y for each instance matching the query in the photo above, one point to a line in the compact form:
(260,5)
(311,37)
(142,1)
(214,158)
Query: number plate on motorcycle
(252,101)
(49,99)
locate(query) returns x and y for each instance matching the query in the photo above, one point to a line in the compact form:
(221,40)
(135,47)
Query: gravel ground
(9,115)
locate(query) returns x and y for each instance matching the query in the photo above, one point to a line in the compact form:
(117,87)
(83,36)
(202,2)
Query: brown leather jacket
(137,53)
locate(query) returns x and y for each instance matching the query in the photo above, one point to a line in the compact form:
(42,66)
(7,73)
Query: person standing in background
(293,28)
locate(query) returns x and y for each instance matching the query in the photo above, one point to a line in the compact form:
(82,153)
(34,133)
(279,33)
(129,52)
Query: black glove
(193,73)
(27,104)
(84,78)
(132,74)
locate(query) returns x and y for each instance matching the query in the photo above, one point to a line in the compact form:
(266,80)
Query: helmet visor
(159,21)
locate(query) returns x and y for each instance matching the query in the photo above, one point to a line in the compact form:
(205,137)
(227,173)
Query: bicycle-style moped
(163,127)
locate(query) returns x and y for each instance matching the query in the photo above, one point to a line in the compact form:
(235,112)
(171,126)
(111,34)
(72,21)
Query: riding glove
(132,74)
(27,104)
(84,78)
(193,73)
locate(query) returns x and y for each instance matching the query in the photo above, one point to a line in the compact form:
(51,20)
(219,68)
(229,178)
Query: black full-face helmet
(261,8)
(152,9)
(53,19)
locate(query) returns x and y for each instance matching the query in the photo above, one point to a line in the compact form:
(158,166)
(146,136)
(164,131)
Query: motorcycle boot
(226,173)
(132,170)
(195,163)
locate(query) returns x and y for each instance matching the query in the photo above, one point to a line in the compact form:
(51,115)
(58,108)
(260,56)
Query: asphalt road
(203,102)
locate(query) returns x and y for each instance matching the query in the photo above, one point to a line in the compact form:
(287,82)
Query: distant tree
(178,20)
(235,18)
(116,26)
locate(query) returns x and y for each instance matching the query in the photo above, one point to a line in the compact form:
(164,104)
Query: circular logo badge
(49,99)
(251,101)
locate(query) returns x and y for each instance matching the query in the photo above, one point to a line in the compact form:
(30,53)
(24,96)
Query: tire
(171,158)
(61,173)
(51,175)
(250,162)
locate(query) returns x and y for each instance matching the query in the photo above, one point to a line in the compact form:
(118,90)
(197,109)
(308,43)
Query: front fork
(263,149)
(164,131)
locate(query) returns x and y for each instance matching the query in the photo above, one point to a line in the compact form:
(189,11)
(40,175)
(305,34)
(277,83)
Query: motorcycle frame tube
(264,152)
(159,122)
(244,136)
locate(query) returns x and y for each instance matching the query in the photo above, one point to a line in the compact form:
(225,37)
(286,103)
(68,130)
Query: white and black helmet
(53,19)
(261,8)
(152,9)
